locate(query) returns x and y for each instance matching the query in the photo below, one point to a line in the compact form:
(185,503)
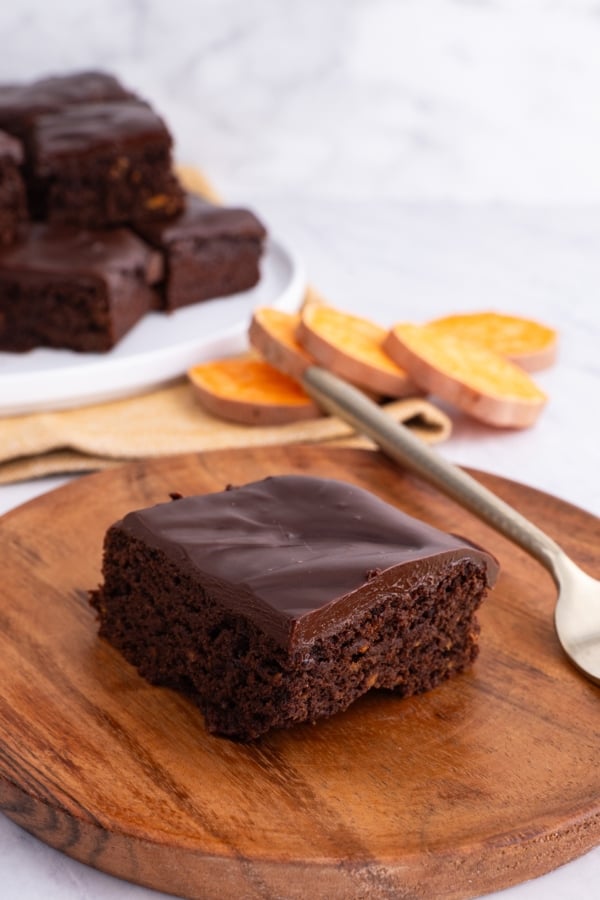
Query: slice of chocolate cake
(210,251)
(75,289)
(285,600)
(101,164)
(13,203)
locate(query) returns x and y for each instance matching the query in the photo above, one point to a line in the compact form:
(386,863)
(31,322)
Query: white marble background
(478,100)
(424,156)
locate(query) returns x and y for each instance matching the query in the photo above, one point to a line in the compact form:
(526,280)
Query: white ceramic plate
(161,347)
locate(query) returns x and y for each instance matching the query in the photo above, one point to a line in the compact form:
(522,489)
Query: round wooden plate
(486,781)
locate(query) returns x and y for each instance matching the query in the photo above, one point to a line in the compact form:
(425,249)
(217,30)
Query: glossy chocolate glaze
(299,555)
(204,221)
(19,103)
(56,250)
(88,128)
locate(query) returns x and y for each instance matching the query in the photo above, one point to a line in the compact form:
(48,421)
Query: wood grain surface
(491,779)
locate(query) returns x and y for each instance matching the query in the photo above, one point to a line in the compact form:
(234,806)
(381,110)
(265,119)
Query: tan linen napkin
(169,420)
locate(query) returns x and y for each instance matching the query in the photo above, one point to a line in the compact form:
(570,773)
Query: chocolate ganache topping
(90,128)
(20,103)
(297,554)
(54,249)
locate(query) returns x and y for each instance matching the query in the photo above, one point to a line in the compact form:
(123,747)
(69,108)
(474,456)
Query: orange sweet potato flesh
(352,347)
(273,333)
(466,374)
(251,392)
(194,181)
(530,344)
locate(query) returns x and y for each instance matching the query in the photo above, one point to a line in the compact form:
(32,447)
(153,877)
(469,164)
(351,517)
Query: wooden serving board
(486,781)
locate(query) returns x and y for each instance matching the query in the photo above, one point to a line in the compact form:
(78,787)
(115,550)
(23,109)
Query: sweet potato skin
(474,379)
(250,392)
(273,334)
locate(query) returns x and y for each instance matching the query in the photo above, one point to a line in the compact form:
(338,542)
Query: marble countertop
(422,158)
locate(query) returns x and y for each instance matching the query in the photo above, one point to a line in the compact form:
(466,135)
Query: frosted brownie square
(74,288)
(101,164)
(285,600)
(210,251)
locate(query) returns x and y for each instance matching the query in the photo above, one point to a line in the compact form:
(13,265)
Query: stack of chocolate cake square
(95,229)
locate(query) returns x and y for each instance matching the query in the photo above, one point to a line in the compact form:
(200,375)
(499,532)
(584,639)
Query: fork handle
(397,442)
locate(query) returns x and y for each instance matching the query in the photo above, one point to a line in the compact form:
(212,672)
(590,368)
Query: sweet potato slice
(251,392)
(273,333)
(477,380)
(351,347)
(528,343)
